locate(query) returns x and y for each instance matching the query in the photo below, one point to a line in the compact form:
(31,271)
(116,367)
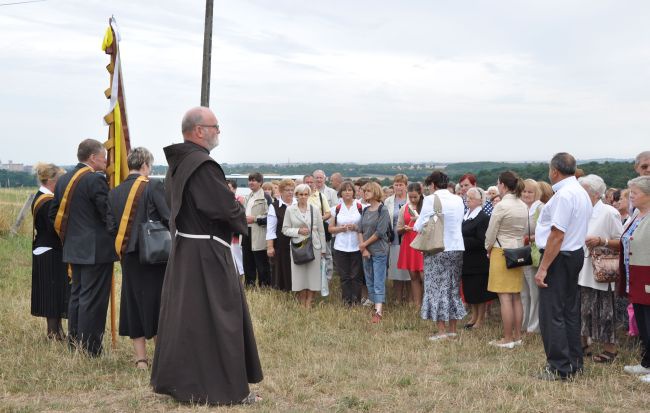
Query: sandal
(145,361)
(605,357)
(252,398)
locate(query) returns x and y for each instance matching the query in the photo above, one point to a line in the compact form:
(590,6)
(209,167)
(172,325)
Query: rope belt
(194,236)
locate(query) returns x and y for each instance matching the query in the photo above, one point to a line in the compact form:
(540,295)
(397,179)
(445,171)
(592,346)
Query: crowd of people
(296,236)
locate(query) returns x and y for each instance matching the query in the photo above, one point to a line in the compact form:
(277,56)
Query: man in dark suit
(78,212)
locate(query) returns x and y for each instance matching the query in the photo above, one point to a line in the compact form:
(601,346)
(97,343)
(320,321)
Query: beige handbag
(431,239)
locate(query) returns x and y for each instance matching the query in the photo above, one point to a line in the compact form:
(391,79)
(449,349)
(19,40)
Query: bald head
(200,126)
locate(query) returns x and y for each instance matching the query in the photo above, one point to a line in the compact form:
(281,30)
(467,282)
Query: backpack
(390,234)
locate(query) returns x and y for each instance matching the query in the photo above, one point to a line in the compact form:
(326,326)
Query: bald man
(206,350)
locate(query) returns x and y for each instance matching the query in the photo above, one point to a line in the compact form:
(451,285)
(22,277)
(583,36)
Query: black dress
(50,283)
(281,275)
(476,265)
(141,283)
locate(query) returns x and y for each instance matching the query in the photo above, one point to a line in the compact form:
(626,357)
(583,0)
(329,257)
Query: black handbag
(518,257)
(154,241)
(303,252)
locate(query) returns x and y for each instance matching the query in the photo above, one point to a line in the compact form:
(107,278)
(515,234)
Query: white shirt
(569,210)
(272,220)
(40,250)
(605,223)
(347,241)
(453,211)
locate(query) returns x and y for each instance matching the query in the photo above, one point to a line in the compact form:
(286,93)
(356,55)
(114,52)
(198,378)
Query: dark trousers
(350,268)
(559,314)
(91,288)
(256,263)
(642,315)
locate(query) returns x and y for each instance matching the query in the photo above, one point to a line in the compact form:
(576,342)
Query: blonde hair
(285,183)
(546,191)
(536,188)
(374,187)
(267,186)
(401,178)
(47,171)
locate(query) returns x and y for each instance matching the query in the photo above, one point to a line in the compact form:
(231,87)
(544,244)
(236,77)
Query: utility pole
(207,54)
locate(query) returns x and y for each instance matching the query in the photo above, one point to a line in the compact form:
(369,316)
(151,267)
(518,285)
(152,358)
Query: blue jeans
(374,269)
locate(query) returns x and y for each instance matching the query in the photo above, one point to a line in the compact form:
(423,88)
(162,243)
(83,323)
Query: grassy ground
(326,359)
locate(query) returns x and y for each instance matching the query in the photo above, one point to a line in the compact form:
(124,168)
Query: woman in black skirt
(277,244)
(476,265)
(141,283)
(50,286)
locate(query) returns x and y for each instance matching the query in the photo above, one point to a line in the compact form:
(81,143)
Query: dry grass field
(326,359)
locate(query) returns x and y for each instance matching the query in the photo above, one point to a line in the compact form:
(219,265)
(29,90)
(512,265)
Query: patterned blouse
(625,239)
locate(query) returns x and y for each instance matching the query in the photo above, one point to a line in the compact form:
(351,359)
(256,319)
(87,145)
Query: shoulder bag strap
(124,230)
(61,220)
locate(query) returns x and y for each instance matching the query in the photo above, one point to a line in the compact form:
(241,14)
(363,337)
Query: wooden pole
(22,214)
(207,54)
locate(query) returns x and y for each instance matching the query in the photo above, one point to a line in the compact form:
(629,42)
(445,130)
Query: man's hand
(540,277)
(270,251)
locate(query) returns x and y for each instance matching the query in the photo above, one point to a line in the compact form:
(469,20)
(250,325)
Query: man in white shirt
(560,234)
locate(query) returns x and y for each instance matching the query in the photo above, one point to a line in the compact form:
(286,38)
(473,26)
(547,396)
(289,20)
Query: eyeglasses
(210,126)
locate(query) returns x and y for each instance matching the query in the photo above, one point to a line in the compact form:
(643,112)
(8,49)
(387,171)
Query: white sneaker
(438,337)
(645,378)
(509,345)
(519,342)
(638,369)
(366,302)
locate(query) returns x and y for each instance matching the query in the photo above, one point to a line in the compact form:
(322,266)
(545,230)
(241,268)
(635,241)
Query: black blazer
(152,199)
(475,259)
(87,241)
(45,236)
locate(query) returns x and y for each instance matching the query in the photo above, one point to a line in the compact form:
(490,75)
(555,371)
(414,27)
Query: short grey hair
(318,171)
(642,155)
(564,163)
(191,120)
(302,188)
(595,184)
(641,182)
(474,193)
(137,157)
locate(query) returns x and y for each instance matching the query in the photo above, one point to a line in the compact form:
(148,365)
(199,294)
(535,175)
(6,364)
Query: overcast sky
(336,81)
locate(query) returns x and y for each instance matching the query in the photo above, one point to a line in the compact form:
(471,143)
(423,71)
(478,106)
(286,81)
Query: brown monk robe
(206,351)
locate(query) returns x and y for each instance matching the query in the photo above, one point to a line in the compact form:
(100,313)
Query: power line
(20,2)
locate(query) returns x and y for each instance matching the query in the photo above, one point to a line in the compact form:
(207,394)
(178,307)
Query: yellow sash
(124,230)
(61,220)
(37,206)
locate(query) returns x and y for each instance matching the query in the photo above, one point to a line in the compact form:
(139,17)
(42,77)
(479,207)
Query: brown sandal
(145,361)
(605,357)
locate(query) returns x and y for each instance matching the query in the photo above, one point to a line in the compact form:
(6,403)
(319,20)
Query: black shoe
(549,375)
(469,326)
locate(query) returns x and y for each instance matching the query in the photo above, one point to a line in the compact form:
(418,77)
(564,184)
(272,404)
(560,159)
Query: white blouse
(347,241)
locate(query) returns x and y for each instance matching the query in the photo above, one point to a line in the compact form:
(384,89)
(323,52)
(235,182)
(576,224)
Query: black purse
(303,252)
(154,241)
(518,257)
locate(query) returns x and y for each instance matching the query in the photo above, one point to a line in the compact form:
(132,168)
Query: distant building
(14,167)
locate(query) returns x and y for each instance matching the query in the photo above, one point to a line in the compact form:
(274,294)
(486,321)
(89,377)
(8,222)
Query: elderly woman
(621,201)
(374,246)
(141,283)
(530,291)
(344,224)
(277,244)
(635,268)
(597,299)
(50,286)
(508,224)
(303,221)
(475,263)
(441,302)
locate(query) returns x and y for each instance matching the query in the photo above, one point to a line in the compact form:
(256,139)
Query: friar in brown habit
(206,351)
